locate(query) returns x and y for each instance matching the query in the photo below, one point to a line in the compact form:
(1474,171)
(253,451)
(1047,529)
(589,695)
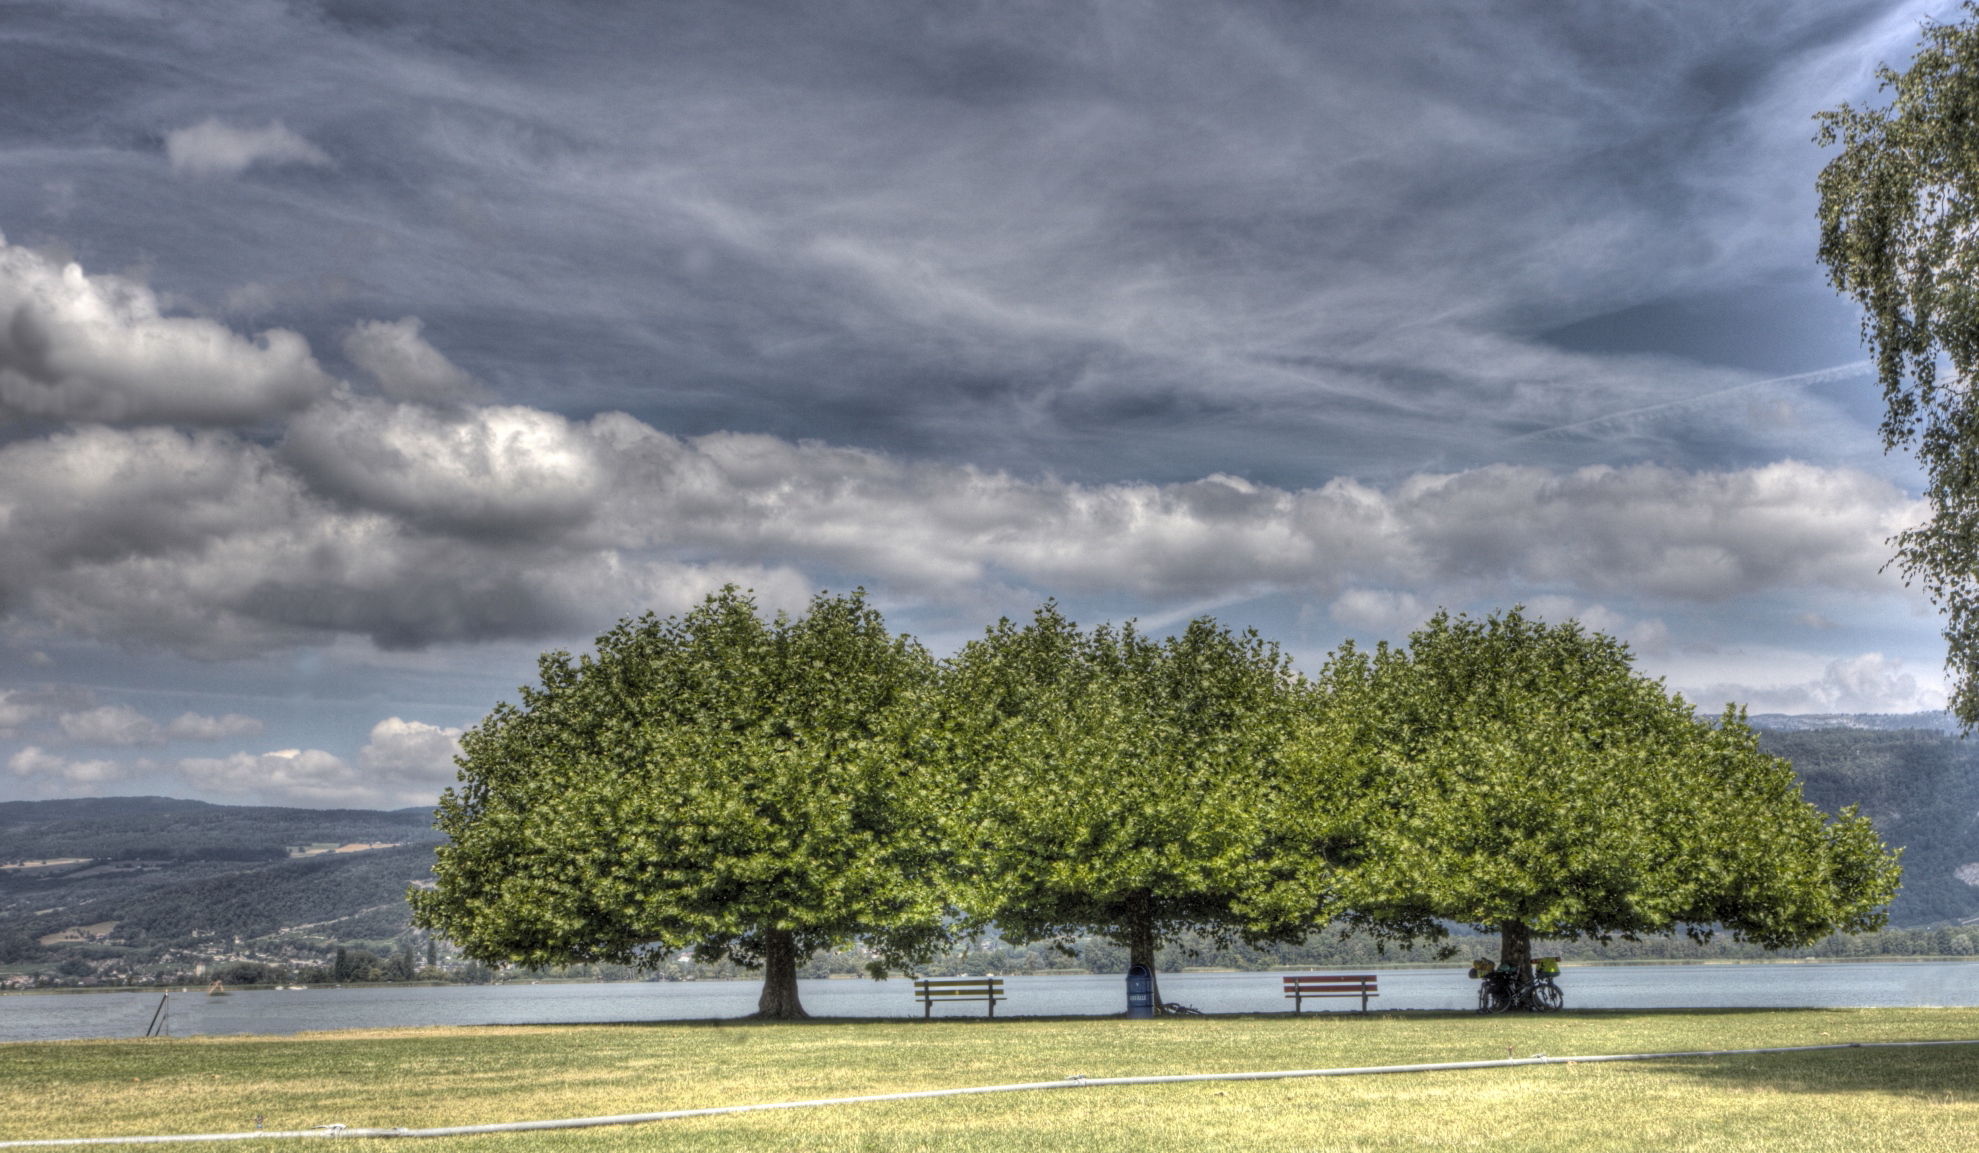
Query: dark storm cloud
(1107,240)
(350,350)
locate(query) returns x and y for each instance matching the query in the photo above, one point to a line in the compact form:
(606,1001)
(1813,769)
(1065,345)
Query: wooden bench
(959,989)
(1359,985)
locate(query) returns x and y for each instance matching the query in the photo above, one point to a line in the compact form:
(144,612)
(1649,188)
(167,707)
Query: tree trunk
(1141,943)
(1514,944)
(779,1000)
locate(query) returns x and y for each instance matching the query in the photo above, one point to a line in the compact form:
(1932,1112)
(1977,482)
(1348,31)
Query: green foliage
(1921,789)
(707,782)
(1114,783)
(1900,235)
(250,973)
(1530,781)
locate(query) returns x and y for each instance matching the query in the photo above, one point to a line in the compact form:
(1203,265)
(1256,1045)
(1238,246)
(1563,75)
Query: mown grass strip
(1855,1100)
(1038,1086)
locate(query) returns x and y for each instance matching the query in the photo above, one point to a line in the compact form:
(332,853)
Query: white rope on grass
(1075,1082)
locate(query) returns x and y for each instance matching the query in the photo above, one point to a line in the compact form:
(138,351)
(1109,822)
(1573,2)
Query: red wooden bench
(1359,985)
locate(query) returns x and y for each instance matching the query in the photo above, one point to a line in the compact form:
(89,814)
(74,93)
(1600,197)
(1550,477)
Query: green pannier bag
(1548,966)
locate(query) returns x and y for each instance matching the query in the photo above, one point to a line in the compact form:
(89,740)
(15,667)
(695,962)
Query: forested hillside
(125,828)
(350,896)
(174,874)
(1921,790)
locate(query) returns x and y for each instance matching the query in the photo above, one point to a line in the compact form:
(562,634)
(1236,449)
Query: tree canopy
(1112,783)
(1899,211)
(761,789)
(1532,783)
(714,781)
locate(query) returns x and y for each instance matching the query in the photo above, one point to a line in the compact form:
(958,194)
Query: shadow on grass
(1940,1072)
(1318,1017)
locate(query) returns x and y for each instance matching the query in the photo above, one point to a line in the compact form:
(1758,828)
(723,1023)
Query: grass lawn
(1857,1101)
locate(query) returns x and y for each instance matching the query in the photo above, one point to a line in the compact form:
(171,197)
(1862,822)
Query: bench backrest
(960,987)
(1330,984)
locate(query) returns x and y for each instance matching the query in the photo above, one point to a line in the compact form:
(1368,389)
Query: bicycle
(1530,989)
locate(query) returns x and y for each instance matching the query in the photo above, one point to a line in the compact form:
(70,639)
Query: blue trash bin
(1140,992)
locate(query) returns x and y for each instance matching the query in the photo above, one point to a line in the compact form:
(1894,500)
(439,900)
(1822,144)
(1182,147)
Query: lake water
(48,1017)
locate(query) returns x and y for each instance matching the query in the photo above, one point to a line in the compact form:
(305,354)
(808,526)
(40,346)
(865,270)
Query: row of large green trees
(758,789)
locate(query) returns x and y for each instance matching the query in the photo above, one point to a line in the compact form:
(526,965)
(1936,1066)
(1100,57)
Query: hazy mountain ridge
(1938,721)
(113,828)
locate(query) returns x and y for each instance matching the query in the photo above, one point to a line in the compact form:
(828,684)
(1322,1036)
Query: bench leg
(928,1008)
(1363,1000)
(992,1009)
(1298,1003)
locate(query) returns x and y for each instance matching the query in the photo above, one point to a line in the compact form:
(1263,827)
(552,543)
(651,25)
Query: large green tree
(1111,783)
(715,781)
(1899,218)
(1530,782)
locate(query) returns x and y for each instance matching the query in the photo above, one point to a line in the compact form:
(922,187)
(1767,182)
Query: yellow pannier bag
(1548,966)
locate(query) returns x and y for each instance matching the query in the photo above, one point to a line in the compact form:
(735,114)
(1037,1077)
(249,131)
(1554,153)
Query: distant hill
(345,896)
(112,828)
(1937,722)
(1920,788)
(184,873)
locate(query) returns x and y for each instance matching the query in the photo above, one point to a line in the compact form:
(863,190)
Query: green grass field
(1857,1101)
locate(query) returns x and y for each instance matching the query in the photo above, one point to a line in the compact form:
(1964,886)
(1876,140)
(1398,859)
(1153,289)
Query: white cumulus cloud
(1384,610)
(34,763)
(79,347)
(411,525)
(213,147)
(411,752)
(116,725)
(1868,683)
(411,522)
(403,364)
(124,727)
(17,710)
(191,726)
(404,763)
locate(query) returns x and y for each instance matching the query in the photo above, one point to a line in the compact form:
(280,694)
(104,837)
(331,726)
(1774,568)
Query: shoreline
(1379,966)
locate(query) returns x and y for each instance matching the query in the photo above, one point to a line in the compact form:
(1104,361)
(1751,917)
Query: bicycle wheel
(1493,996)
(1546,997)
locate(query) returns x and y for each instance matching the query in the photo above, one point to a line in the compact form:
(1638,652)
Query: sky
(355,352)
